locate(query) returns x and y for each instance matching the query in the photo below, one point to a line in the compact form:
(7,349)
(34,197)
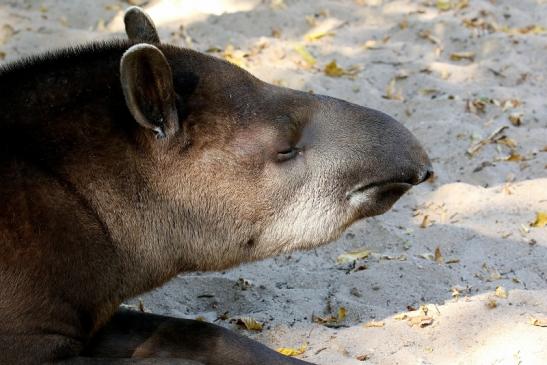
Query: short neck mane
(64,105)
(52,83)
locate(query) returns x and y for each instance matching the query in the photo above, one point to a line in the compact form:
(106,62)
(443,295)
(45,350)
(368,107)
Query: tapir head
(245,169)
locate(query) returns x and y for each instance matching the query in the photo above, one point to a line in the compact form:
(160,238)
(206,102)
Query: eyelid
(288,154)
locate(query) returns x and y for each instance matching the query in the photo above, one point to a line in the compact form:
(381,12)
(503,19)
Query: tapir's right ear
(147,83)
(139,26)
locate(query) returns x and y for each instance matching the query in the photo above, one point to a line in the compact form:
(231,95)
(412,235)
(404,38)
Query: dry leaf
(493,273)
(515,119)
(501,292)
(305,54)
(492,138)
(323,320)
(249,323)
(491,303)
(391,91)
(314,36)
(510,104)
(530,29)
(506,141)
(476,105)
(289,351)
(363,357)
(458,56)
(237,57)
(540,322)
(341,314)
(514,157)
(426,34)
(375,324)
(6,33)
(438,256)
(425,222)
(420,321)
(352,256)
(540,221)
(443,5)
(333,70)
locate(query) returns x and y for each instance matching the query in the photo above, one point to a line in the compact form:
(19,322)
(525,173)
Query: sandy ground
(454,75)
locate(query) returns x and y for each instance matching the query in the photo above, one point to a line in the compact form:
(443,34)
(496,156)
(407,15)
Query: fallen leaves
(333,70)
(363,357)
(416,318)
(532,29)
(289,351)
(305,54)
(314,36)
(476,106)
(6,33)
(391,91)
(496,135)
(331,320)
(539,322)
(516,119)
(459,56)
(235,56)
(438,255)
(249,323)
(491,271)
(425,222)
(446,5)
(426,34)
(501,292)
(420,321)
(374,324)
(540,221)
(458,291)
(341,314)
(491,303)
(353,256)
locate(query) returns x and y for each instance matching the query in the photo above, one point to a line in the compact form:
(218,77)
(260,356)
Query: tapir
(127,162)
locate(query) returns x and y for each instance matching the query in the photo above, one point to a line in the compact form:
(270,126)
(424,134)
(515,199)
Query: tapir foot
(148,337)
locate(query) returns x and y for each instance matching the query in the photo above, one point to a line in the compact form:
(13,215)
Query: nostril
(426,175)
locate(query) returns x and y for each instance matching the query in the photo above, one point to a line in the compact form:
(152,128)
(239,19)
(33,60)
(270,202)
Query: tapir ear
(139,26)
(147,83)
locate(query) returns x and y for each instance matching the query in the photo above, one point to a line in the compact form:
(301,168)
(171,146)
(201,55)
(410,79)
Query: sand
(404,58)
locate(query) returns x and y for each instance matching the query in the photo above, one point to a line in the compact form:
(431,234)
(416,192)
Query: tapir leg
(144,335)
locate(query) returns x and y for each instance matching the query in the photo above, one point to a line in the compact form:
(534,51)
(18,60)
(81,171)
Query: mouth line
(379,184)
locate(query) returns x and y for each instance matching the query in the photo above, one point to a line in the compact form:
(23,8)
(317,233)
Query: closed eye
(287,154)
